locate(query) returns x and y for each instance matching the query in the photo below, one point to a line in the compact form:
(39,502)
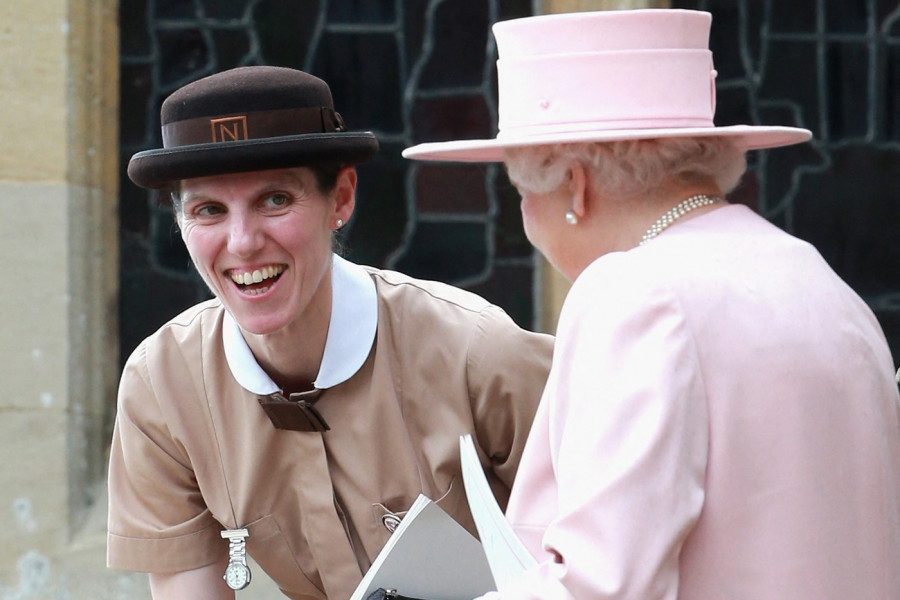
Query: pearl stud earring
(571,217)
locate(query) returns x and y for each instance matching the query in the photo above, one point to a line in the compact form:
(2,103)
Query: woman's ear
(577,188)
(345,194)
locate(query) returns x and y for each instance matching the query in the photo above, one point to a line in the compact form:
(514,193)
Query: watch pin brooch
(237,573)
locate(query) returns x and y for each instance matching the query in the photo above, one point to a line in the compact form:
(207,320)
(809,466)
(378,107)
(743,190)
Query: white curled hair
(629,168)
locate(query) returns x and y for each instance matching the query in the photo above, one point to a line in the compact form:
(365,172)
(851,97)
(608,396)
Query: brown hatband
(251,125)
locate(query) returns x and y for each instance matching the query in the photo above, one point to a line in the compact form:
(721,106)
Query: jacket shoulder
(183,330)
(393,283)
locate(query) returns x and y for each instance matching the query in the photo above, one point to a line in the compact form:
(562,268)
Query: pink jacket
(720,422)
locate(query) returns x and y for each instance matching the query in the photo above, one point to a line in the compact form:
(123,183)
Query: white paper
(506,554)
(429,556)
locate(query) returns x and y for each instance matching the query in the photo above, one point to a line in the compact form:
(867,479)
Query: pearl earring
(571,217)
(339,224)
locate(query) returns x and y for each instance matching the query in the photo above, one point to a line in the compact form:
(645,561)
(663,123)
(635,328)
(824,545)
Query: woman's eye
(277,200)
(208,210)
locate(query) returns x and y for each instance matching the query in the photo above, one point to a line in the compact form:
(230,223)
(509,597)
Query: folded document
(431,556)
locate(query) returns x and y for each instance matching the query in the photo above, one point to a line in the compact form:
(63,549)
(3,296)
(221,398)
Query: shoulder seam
(420,285)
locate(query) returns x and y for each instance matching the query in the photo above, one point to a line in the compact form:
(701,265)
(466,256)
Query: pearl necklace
(675,213)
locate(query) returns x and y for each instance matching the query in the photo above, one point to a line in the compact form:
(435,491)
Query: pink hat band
(604,76)
(641,89)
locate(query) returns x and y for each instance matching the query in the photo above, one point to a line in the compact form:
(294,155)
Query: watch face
(237,576)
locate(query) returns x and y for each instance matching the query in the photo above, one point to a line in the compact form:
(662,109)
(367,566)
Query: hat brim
(748,137)
(154,169)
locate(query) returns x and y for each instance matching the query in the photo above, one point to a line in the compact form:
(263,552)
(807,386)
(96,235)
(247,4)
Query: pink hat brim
(748,137)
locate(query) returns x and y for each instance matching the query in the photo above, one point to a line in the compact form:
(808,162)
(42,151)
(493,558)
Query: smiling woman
(312,397)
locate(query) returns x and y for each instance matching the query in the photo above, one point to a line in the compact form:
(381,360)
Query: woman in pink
(721,419)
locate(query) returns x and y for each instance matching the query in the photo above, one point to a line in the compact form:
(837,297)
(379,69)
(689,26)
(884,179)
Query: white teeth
(256,276)
(256,292)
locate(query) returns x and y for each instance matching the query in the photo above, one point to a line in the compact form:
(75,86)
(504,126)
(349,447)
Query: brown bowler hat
(249,119)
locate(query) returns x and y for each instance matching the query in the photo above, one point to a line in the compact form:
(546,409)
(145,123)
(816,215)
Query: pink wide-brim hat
(604,76)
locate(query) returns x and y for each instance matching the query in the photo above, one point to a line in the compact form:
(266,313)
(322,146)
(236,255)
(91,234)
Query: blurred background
(93,263)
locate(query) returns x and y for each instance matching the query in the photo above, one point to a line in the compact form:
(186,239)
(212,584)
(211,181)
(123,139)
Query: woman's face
(262,241)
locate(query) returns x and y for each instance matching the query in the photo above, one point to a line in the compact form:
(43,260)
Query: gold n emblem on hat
(229,129)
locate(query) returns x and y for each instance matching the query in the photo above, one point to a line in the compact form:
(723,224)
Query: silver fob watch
(237,573)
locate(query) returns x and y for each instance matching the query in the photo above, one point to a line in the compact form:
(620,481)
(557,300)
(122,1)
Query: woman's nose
(245,236)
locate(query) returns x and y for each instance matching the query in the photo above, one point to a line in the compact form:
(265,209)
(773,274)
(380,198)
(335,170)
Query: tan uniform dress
(194,453)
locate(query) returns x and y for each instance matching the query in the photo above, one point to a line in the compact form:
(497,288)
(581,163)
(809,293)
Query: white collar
(351,332)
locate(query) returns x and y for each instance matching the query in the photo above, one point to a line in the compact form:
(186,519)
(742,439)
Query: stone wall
(58,248)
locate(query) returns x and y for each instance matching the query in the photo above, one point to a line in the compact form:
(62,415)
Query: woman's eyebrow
(188,198)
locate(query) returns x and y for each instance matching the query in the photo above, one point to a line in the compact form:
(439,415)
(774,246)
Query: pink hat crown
(605,76)
(613,70)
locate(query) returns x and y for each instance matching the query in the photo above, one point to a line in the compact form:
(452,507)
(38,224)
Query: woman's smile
(256,281)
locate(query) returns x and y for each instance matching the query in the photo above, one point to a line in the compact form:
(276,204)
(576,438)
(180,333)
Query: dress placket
(328,540)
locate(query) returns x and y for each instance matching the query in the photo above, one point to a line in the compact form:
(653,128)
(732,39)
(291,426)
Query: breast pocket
(269,547)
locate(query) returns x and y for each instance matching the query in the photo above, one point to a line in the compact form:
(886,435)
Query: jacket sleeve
(507,368)
(158,520)
(626,432)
